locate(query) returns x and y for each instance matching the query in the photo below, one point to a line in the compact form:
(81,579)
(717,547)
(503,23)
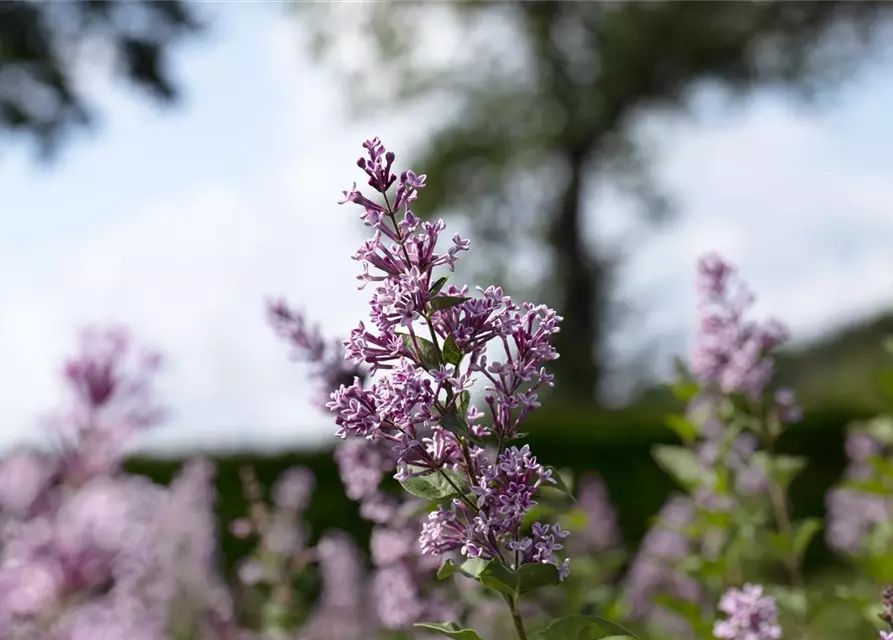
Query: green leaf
(493,574)
(689,611)
(437,286)
(782,545)
(463,403)
(429,356)
(881,428)
(804,531)
(559,483)
(683,427)
(473,567)
(500,578)
(875,486)
(682,465)
(451,353)
(434,486)
(454,423)
(790,599)
(446,302)
(536,575)
(275,615)
(885,381)
(450,630)
(584,628)
(781,469)
(686,390)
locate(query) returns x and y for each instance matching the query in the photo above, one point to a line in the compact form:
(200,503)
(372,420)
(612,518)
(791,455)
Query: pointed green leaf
(500,578)
(450,630)
(683,465)
(463,403)
(536,575)
(689,611)
(781,469)
(451,353)
(874,486)
(429,356)
(686,390)
(434,486)
(559,483)
(473,567)
(437,286)
(452,422)
(804,531)
(584,628)
(446,302)
(683,427)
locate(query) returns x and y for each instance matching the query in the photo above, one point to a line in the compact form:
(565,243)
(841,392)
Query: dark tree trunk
(577,276)
(581,300)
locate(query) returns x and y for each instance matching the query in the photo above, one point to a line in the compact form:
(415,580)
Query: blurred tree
(42,45)
(547,97)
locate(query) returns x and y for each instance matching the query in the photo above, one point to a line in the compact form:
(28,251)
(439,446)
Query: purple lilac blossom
(602,532)
(653,573)
(405,406)
(887,614)
(403,580)
(341,610)
(407,588)
(730,352)
(853,514)
(110,398)
(329,368)
(90,552)
(280,548)
(750,615)
(732,355)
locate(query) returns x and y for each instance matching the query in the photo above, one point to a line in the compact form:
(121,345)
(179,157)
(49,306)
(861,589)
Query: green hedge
(615,443)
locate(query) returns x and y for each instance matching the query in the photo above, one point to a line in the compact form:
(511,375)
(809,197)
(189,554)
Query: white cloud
(189,269)
(807,223)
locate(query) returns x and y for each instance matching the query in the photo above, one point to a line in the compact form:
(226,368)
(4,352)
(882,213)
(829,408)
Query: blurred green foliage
(616,443)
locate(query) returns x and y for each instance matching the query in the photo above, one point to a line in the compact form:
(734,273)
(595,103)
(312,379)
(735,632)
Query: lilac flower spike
(110,398)
(430,340)
(751,615)
(731,353)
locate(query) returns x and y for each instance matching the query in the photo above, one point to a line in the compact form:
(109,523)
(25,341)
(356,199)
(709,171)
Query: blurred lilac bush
(473,537)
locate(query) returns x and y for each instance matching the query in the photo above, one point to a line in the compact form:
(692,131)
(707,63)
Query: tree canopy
(546,106)
(43,44)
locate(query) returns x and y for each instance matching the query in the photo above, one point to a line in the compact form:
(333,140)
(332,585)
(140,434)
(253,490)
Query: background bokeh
(171,165)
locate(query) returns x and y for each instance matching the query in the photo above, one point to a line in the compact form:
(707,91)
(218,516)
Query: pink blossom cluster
(731,352)
(750,615)
(422,333)
(91,552)
(403,586)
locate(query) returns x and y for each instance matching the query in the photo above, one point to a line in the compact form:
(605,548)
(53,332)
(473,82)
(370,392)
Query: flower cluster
(751,615)
(109,400)
(403,578)
(731,353)
(281,541)
(653,571)
(424,331)
(91,552)
(330,370)
(856,516)
(601,532)
(504,494)
(887,614)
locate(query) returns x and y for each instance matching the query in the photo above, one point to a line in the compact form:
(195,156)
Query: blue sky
(179,222)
